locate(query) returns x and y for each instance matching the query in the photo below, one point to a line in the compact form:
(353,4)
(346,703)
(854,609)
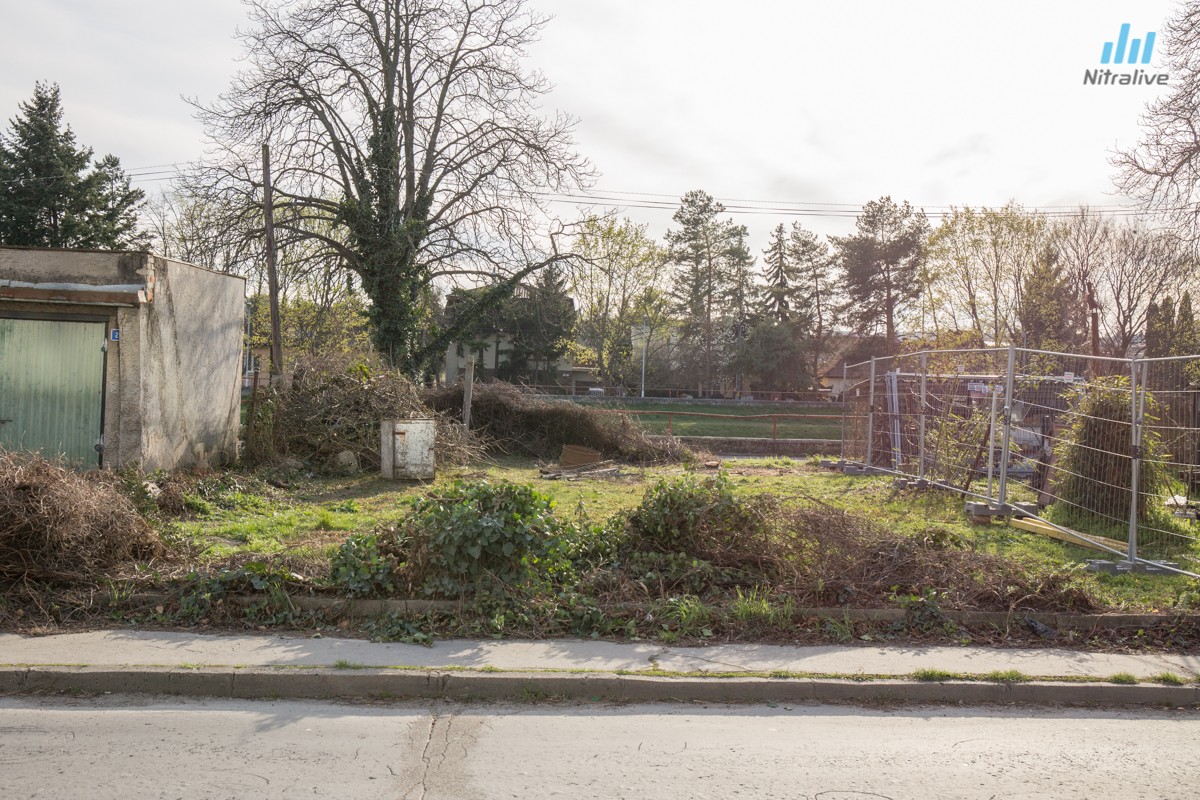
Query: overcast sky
(784,104)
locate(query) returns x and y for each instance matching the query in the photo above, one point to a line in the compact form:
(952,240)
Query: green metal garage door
(51,387)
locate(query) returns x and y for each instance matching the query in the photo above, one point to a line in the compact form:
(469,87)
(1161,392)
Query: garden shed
(111,359)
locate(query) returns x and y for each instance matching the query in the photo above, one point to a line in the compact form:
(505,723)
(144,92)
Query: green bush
(478,535)
(365,567)
(1094,456)
(694,515)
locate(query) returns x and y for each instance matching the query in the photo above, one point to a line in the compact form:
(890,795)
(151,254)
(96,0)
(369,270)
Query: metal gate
(52,387)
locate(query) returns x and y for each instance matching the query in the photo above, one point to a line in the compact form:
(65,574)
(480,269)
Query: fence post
(1136,410)
(845,391)
(871,416)
(921,418)
(893,388)
(1006,441)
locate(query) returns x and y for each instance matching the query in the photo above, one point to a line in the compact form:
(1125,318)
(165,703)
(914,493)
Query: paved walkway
(122,648)
(319,666)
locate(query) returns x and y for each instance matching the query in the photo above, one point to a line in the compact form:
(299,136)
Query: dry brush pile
(58,524)
(820,555)
(515,420)
(328,406)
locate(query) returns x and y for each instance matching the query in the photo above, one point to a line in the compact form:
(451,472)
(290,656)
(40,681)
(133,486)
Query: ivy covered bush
(472,537)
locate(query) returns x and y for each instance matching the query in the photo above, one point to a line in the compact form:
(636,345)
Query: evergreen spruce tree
(1186,341)
(1154,332)
(52,195)
(1166,327)
(541,319)
(1049,314)
(779,274)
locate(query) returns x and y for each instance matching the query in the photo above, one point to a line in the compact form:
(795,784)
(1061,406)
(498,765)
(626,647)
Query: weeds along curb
(361,608)
(293,683)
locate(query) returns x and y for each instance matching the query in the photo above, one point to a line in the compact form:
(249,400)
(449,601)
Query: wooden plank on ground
(1090,541)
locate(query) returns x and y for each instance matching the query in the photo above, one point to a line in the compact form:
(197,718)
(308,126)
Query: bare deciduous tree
(980,259)
(1119,270)
(618,284)
(407,140)
(1163,170)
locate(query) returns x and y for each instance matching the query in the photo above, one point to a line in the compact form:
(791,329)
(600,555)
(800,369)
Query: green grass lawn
(311,518)
(733,420)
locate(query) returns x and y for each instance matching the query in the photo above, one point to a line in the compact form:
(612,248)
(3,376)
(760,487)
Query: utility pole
(645,343)
(468,385)
(272,277)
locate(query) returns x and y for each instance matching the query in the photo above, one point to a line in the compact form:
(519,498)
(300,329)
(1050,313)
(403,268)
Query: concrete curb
(325,683)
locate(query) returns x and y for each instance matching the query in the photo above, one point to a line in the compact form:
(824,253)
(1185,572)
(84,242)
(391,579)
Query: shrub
(699,516)
(363,567)
(1093,458)
(487,536)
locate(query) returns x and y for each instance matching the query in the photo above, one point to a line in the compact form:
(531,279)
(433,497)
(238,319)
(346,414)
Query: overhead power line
(661,201)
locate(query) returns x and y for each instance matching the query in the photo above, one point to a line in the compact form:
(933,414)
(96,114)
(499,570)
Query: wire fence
(1102,452)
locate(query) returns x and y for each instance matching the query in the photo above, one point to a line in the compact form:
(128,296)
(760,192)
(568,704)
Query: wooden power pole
(272,277)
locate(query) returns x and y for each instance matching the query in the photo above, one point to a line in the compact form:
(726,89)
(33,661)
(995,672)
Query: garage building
(110,359)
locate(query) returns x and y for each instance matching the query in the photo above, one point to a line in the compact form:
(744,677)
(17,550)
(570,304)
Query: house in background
(112,359)
(491,358)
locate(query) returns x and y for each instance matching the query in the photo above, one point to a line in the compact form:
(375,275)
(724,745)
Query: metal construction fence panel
(1104,448)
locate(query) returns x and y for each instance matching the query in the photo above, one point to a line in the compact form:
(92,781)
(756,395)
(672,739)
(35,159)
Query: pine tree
(881,265)
(705,253)
(50,197)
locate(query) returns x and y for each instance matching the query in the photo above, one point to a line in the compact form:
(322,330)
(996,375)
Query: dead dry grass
(838,558)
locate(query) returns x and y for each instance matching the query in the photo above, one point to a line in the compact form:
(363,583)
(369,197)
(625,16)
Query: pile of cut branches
(848,559)
(328,406)
(58,524)
(516,420)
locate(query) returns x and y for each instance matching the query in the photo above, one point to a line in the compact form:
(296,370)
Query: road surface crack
(437,741)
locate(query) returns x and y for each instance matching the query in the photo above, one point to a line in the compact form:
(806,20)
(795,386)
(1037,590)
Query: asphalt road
(130,748)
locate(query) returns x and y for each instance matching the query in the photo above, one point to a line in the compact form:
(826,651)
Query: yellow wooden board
(1090,541)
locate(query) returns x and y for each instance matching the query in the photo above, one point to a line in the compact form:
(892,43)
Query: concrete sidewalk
(312,666)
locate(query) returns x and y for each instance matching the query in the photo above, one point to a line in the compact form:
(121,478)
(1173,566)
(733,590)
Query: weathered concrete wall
(190,352)
(93,267)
